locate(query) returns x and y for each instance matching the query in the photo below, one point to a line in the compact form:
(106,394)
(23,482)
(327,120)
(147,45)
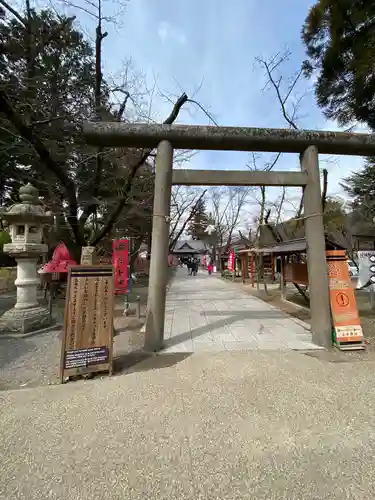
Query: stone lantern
(26,221)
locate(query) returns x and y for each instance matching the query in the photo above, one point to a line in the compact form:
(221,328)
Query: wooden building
(238,245)
(189,248)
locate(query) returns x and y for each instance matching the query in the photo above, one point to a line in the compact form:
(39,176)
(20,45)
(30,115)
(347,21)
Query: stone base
(25,320)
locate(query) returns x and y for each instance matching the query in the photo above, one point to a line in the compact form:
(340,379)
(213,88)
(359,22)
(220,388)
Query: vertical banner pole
(252,269)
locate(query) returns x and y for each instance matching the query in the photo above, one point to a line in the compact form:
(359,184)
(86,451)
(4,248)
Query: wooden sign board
(296,273)
(347,330)
(87,344)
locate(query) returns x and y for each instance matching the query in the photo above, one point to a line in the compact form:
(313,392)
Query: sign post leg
(321,327)
(159,249)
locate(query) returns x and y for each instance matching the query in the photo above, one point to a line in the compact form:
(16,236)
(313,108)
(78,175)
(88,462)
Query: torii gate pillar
(158,279)
(321,326)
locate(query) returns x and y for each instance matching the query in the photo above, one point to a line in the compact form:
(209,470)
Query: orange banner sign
(346,322)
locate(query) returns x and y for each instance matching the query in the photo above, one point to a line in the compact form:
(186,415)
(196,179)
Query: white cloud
(167,32)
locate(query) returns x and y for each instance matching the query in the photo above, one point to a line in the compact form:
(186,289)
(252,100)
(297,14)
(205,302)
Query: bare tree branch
(128,183)
(270,67)
(182,201)
(28,134)
(99,37)
(121,110)
(209,116)
(280,205)
(187,220)
(13,12)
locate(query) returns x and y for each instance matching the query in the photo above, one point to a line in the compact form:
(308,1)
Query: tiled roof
(194,245)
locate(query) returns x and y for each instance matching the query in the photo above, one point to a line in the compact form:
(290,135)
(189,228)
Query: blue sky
(211,45)
(208,49)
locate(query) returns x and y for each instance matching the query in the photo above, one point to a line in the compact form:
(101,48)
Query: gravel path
(31,361)
(35,360)
(234,426)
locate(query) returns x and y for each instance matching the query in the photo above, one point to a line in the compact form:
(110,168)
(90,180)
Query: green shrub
(4,239)
(5,259)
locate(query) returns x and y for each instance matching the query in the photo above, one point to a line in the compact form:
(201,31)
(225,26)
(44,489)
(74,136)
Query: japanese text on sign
(88,327)
(345,317)
(120,260)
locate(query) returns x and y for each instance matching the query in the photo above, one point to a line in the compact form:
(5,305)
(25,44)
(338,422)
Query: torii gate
(167,137)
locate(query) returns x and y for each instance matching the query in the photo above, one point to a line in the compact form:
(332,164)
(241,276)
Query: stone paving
(205,313)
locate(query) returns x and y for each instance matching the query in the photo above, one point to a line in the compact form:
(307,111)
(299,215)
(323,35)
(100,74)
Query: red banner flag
(120,262)
(231,261)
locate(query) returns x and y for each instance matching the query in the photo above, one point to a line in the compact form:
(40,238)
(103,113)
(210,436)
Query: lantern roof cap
(29,210)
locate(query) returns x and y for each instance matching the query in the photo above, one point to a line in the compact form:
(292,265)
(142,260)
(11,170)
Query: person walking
(194,267)
(209,268)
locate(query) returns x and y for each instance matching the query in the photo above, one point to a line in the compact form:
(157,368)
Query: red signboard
(231,261)
(120,262)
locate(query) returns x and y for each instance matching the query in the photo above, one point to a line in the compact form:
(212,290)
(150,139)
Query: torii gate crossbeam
(167,137)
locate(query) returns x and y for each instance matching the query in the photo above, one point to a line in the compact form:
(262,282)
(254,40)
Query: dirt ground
(34,360)
(297,307)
